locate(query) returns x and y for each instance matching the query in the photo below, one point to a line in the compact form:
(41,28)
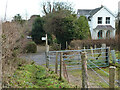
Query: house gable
(91,12)
(95,11)
(103,12)
(100,20)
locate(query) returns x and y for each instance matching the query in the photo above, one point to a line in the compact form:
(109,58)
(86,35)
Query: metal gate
(72,58)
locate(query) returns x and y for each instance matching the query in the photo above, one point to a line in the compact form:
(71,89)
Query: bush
(112,43)
(31,47)
(55,46)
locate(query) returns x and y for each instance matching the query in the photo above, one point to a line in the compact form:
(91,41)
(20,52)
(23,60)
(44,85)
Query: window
(99,20)
(107,20)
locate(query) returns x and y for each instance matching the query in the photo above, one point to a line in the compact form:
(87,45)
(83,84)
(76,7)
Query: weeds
(36,76)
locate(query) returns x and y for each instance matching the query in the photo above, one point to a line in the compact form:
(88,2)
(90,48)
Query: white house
(101,22)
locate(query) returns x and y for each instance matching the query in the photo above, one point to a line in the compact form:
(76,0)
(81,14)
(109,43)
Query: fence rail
(73,57)
(66,60)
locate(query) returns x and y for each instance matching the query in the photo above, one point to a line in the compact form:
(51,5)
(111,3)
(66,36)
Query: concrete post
(113,56)
(112,77)
(103,51)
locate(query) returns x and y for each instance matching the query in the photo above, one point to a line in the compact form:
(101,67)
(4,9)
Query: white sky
(31,7)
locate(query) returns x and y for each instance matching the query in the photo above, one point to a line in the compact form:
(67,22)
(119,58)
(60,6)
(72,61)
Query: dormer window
(99,20)
(107,20)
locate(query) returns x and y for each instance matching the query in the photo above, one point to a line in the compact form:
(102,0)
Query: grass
(106,69)
(95,79)
(117,54)
(36,76)
(76,72)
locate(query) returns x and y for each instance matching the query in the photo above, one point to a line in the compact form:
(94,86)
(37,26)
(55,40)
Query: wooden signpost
(47,50)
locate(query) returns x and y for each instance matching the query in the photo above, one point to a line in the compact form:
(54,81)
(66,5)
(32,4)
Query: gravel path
(38,57)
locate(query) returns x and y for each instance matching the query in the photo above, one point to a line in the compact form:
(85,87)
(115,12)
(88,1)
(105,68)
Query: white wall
(94,22)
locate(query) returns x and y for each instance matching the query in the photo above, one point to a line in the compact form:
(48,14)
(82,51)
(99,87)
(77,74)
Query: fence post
(119,77)
(95,51)
(47,57)
(84,49)
(84,70)
(112,77)
(91,51)
(66,45)
(118,57)
(119,69)
(56,63)
(95,46)
(103,45)
(61,65)
(103,51)
(113,56)
(107,55)
(60,46)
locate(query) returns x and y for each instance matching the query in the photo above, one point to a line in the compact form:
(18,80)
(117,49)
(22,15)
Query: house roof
(94,11)
(91,12)
(104,27)
(84,11)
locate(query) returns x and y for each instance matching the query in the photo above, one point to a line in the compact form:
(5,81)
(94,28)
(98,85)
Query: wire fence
(97,61)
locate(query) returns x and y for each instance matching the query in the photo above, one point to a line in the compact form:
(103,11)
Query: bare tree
(49,7)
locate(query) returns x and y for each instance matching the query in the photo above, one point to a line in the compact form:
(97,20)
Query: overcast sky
(32,7)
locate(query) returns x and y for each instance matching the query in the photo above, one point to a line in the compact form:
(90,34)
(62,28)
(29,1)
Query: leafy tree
(67,31)
(18,18)
(37,30)
(82,28)
(61,25)
(64,25)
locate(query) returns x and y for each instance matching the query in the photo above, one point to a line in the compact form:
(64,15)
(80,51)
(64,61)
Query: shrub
(31,47)
(55,46)
(112,43)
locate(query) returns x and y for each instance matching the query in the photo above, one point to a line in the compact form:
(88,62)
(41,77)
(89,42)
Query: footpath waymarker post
(47,50)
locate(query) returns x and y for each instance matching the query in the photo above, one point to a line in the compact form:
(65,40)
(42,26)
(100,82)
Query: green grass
(117,54)
(76,72)
(102,73)
(36,76)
